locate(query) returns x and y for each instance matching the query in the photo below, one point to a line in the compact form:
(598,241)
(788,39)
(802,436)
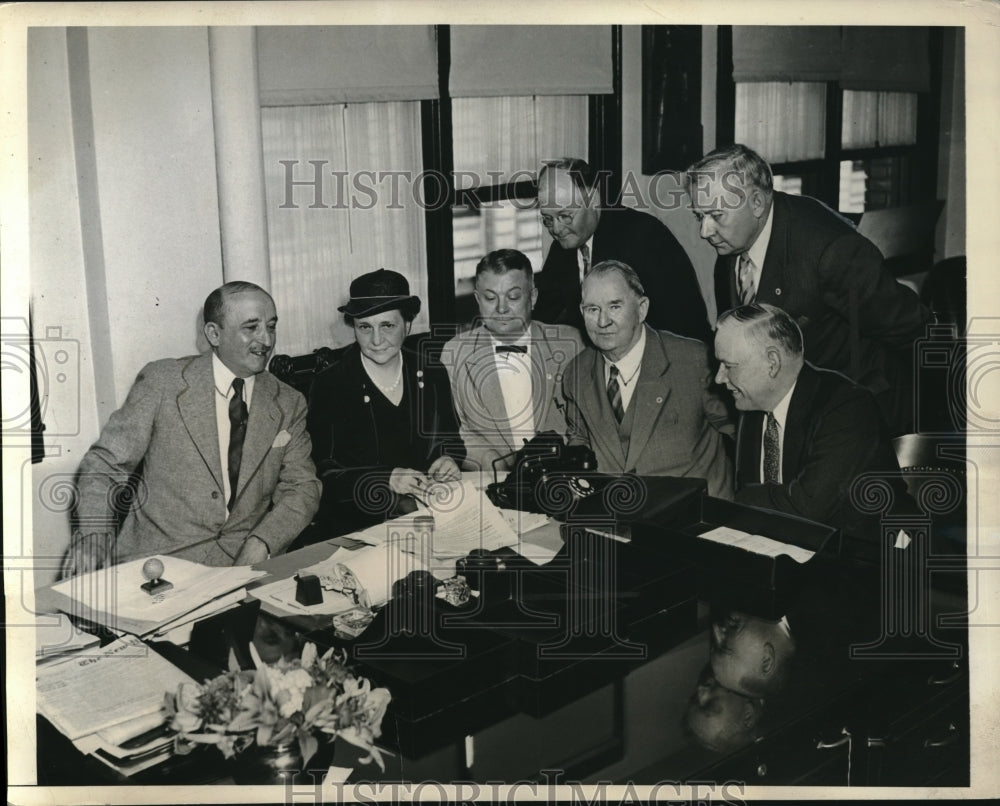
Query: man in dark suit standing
(805,434)
(640,398)
(794,252)
(585,232)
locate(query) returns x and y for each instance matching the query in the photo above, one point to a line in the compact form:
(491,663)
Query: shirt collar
(223,377)
(628,364)
(781,410)
(758,251)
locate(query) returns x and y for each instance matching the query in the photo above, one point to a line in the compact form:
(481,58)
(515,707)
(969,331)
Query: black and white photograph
(559,401)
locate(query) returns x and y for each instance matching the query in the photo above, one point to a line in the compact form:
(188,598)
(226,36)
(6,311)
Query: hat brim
(359,308)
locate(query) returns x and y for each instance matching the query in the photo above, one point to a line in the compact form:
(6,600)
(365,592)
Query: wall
(124,242)
(950,236)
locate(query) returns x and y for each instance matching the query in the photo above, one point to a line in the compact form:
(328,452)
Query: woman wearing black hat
(382,422)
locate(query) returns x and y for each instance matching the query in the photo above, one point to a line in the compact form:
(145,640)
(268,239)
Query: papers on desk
(465,519)
(89,693)
(758,544)
(113,596)
(60,637)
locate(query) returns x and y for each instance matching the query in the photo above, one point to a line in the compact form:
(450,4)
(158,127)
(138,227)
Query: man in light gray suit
(641,398)
(226,476)
(506,374)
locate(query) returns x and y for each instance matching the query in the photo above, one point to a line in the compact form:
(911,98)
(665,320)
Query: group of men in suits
(622,364)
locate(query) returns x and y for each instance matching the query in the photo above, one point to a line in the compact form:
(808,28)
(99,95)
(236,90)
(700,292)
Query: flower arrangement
(278,704)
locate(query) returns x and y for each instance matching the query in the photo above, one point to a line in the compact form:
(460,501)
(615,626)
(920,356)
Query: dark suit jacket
(678,421)
(855,317)
(644,243)
(346,442)
(834,433)
(168,424)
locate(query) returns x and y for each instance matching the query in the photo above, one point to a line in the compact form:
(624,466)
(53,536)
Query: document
(114,597)
(104,687)
(758,544)
(466,519)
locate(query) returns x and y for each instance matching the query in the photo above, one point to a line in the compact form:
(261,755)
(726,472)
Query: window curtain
(879,118)
(315,251)
(786,53)
(886,58)
(780,121)
(322,64)
(490,60)
(511,135)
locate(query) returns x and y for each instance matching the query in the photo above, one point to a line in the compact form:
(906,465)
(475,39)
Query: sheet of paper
(124,680)
(466,519)
(279,597)
(523,522)
(59,636)
(758,544)
(114,597)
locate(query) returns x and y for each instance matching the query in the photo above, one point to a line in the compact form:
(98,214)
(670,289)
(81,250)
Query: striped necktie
(585,258)
(615,394)
(772,455)
(238,415)
(748,286)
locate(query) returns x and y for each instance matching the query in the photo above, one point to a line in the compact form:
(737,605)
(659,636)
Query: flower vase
(278,764)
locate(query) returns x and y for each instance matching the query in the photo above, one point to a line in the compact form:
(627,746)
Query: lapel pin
(659,400)
(777,292)
(367,399)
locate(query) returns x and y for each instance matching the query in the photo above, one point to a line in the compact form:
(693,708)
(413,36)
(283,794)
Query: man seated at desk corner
(226,473)
(640,398)
(805,434)
(506,373)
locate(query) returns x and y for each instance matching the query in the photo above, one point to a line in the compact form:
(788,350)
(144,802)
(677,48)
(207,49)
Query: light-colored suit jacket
(678,421)
(168,425)
(475,388)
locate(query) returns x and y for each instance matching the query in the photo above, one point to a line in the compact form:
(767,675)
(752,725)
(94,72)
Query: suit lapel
(196,405)
(544,371)
(593,397)
(651,395)
(802,402)
(484,380)
(772,273)
(748,449)
(262,427)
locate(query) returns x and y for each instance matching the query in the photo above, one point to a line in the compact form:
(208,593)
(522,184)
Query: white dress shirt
(781,416)
(514,374)
(628,369)
(223,394)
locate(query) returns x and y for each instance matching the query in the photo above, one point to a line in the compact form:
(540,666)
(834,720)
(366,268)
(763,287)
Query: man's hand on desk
(254,551)
(407,481)
(87,552)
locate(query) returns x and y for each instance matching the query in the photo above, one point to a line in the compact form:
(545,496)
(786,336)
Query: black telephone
(548,476)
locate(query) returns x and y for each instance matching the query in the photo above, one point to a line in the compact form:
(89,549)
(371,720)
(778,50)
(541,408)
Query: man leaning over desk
(506,374)
(226,474)
(640,397)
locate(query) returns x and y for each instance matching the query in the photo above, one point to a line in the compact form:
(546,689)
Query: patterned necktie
(771,452)
(238,416)
(585,257)
(748,288)
(615,394)
(512,348)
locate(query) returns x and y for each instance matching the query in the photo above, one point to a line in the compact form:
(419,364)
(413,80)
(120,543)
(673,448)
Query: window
(855,149)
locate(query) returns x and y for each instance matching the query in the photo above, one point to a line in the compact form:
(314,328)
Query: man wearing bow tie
(506,373)
(586,231)
(796,253)
(226,476)
(805,434)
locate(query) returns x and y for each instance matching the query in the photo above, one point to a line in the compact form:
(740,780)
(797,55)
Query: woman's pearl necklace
(386,390)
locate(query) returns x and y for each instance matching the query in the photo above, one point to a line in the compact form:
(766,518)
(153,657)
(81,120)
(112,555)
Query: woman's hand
(407,481)
(444,468)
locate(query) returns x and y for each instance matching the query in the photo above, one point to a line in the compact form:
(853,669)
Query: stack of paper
(103,699)
(758,544)
(114,597)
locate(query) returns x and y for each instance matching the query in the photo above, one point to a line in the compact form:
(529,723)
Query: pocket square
(281,439)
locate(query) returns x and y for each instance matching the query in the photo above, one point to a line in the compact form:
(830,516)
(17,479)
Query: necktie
(771,452)
(585,258)
(615,394)
(238,416)
(748,288)
(512,348)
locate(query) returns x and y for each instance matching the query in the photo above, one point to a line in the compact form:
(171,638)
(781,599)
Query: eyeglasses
(565,217)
